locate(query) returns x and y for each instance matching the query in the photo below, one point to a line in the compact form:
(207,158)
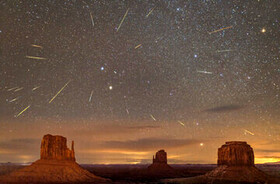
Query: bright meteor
(59,91)
(92,22)
(153,117)
(37,46)
(247,131)
(89,100)
(205,72)
(150,12)
(22,111)
(181,123)
(218,30)
(122,19)
(35,57)
(137,46)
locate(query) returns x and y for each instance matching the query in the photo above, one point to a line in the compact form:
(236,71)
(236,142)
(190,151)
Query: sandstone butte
(56,165)
(55,148)
(235,165)
(159,166)
(161,157)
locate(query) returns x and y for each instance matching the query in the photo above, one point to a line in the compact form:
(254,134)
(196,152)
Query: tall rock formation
(236,153)
(159,168)
(236,163)
(56,165)
(161,157)
(55,148)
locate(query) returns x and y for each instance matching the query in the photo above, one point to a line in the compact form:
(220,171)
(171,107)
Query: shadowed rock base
(238,173)
(228,175)
(45,171)
(205,180)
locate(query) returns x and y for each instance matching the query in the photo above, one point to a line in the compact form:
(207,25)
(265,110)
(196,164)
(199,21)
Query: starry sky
(124,79)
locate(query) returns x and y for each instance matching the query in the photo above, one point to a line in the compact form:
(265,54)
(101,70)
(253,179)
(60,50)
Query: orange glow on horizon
(263,160)
(4,151)
(117,152)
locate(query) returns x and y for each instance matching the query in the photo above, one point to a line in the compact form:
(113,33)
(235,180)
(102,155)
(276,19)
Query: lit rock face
(55,148)
(161,157)
(236,153)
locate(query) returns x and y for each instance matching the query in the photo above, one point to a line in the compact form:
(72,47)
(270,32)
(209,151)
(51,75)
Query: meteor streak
(218,30)
(153,117)
(127,111)
(37,46)
(59,91)
(89,100)
(247,131)
(13,99)
(18,89)
(205,72)
(35,57)
(22,111)
(33,89)
(181,123)
(91,19)
(228,50)
(137,46)
(122,19)
(12,88)
(150,12)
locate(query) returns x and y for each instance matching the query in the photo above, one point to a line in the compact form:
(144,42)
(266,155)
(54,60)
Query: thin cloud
(148,144)
(20,144)
(112,130)
(225,108)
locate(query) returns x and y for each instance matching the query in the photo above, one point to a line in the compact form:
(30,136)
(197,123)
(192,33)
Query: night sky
(124,79)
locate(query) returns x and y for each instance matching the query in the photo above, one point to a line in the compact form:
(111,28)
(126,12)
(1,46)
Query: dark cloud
(225,108)
(19,145)
(148,144)
(24,141)
(112,130)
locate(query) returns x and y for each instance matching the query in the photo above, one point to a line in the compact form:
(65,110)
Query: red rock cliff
(236,153)
(55,148)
